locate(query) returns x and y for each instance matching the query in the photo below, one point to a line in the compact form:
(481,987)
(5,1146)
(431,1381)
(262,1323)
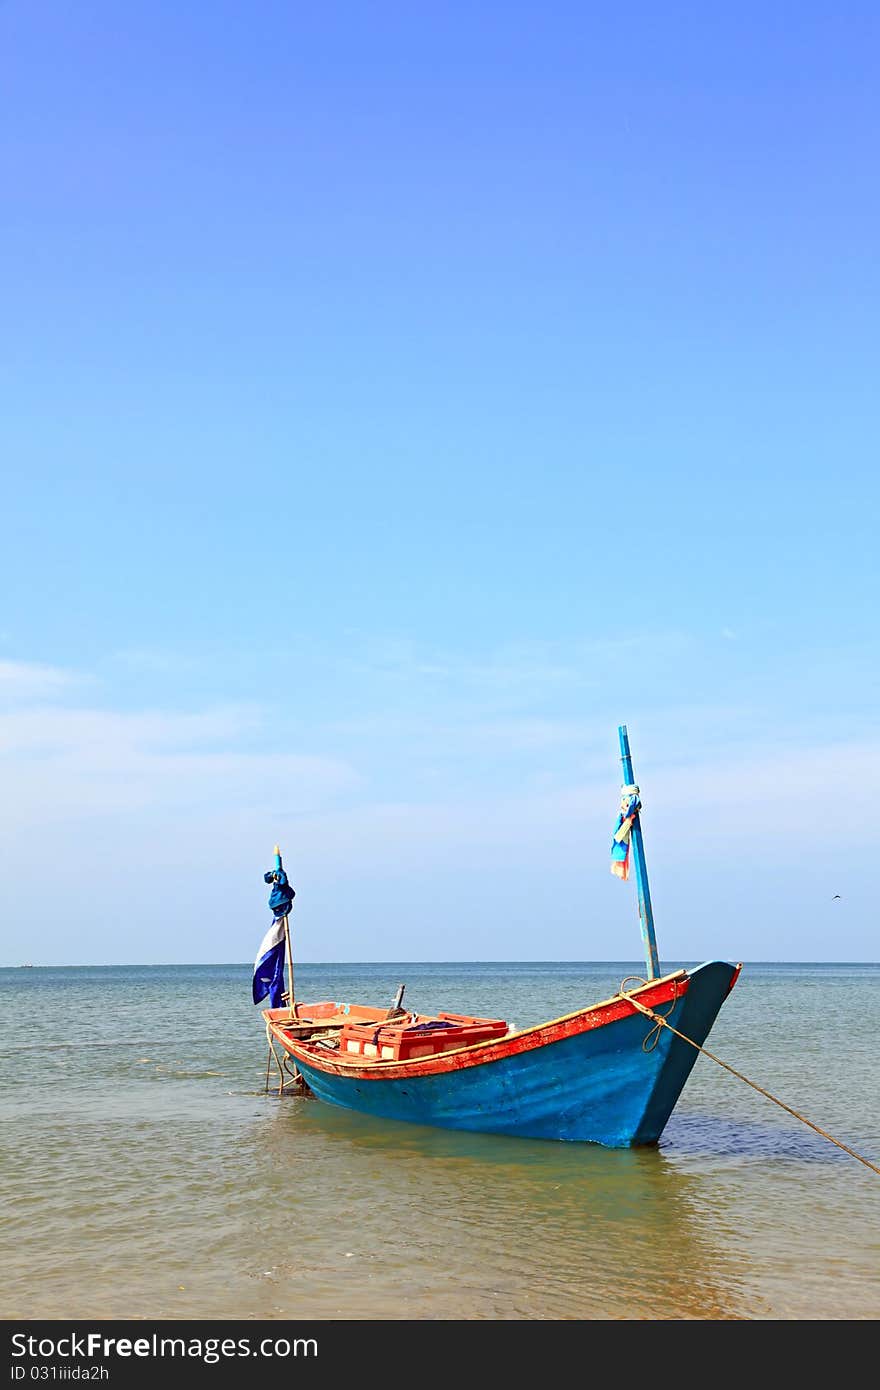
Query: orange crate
(404,1042)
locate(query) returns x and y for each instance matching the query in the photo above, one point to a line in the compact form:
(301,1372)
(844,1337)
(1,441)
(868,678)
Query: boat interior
(360,1032)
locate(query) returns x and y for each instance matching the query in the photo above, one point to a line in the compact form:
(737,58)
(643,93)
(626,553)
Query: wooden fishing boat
(609,1073)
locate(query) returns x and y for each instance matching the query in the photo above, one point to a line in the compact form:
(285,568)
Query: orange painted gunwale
(652,994)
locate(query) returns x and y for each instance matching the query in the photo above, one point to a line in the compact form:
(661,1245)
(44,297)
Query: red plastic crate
(403,1042)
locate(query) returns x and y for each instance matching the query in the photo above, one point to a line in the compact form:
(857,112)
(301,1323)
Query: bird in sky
(836,895)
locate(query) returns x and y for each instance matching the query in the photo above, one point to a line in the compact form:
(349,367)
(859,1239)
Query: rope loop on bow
(652,1037)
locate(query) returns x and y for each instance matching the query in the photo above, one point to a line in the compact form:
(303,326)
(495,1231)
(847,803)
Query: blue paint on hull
(599,1086)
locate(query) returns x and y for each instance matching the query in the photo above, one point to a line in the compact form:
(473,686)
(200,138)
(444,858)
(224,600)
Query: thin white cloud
(519,667)
(109,733)
(62,763)
(25,680)
(161,791)
(801,794)
(151,660)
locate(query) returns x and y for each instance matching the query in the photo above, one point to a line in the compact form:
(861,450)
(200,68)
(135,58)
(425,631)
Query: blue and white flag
(269,966)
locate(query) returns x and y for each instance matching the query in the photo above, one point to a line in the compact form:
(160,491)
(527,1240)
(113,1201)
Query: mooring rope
(273,1053)
(295,1075)
(283,1065)
(661,1022)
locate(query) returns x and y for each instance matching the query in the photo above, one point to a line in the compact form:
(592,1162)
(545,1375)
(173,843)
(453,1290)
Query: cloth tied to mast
(282,895)
(630,805)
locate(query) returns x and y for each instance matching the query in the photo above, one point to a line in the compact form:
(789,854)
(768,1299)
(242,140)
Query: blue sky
(394,400)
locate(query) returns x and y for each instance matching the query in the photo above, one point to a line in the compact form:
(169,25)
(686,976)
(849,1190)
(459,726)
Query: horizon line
(521,960)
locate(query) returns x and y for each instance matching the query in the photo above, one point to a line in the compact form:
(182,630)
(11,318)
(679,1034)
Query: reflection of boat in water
(590,1218)
(609,1073)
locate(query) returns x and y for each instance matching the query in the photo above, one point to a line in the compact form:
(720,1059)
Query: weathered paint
(586,1076)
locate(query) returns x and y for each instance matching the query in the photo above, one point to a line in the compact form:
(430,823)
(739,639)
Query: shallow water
(146,1173)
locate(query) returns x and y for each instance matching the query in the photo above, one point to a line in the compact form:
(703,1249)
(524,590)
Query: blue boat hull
(614,1084)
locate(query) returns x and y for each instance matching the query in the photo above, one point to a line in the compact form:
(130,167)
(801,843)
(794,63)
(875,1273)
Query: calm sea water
(146,1173)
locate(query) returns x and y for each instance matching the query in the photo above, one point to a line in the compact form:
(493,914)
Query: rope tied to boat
(279,1061)
(649,1042)
(660,1022)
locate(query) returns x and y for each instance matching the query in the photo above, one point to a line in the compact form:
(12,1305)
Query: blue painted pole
(646,915)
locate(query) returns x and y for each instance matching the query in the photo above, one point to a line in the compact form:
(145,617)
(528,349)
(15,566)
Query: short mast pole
(646,915)
(288,950)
